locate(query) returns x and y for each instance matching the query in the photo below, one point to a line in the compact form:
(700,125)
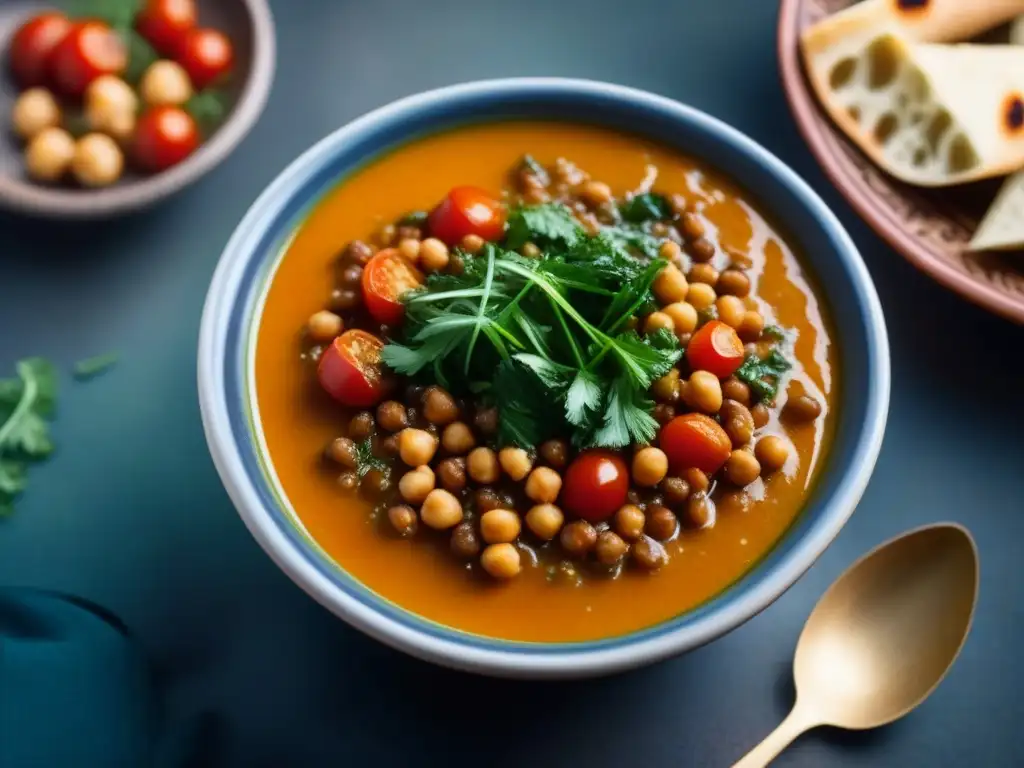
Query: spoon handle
(776,741)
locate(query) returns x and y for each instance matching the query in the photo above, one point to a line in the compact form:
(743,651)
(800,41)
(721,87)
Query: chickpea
(501,561)
(34,111)
(674,491)
(802,408)
(657,321)
(343,451)
(629,522)
(357,253)
(670,285)
(649,467)
(345,299)
(375,483)
(670,251)
(737,422)
(324,326)
(543,485)
(403,519)
(49,154)
(441,510)
(751,327)
(385,236)
(536,195)
(391,416)
(482,464)
(545,520)
(165,82)
(464,543)
(702,250)
(439,407)
(348,481)
(486,499)
(666,389)
(701,296)
(499,525)
(416,484)
(703,273)
(664,413)
(361,427)
(472,243)
(734,389)
(661,522)
(741,468)
(595,193)
(416,447)
(555,453)
(684,316)
(409,249)
(515,461)
(760,415)
(691,226)
(388,446)
(730,310)
(733,282)
(772,452)
(530,251)
(649,553)
(98,161)
(610,548)
(451,473)
(700,511)
(486,420)
(697,480)
(111,106)
(433,255)
(457,438)
(578,538)
(704,392)
(678,204)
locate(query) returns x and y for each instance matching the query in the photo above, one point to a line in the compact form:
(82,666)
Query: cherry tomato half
(385,278)
(207,56)
(32,46)
(695,440)
(467,211)
(715,348)
(165,23)
(595,485)
(89,50)
(349,369)
(164,136)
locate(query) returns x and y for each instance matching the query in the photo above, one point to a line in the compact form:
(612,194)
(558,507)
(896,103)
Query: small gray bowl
(250,26)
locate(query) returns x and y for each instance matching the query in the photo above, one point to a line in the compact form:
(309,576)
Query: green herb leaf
(367,461)
(413,219)
(583,399)
(646,207)
(208,108)
(764,376)
(93,366)
(634,241)
(535,169)
(627,417)
(25,403)
(141,54)
(775,332)
(547,224)
(526,410)
(119,14)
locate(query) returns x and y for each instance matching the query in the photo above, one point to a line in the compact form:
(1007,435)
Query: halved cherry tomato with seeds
(695,440)
(715,348)
(32,46)
(165,23)
(467,211)
(89,50)
(596,484)
(349,369)
(385,278)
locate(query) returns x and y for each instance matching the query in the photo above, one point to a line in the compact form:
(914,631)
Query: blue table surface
(130,512)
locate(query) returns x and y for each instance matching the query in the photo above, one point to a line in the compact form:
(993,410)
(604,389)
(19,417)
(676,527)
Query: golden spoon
(882,637)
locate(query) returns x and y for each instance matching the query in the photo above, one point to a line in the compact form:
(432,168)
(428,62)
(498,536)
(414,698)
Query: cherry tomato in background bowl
(467,211)
(715,348)
(385,278)
(207,55)
(595,486)
(166,23)
(164,136)
(32,46)
(350,369)
(89,50)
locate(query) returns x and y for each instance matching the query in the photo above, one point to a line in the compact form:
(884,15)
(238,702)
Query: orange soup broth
(299,420)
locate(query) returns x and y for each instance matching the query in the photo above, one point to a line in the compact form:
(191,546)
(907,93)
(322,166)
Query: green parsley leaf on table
(94,366)
(26,403)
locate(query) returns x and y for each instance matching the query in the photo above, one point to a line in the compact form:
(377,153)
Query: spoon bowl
(883,636)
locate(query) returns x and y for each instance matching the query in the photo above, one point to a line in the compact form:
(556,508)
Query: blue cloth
(75,690)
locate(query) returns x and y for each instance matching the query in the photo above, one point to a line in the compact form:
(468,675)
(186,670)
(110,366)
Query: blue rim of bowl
(238,288)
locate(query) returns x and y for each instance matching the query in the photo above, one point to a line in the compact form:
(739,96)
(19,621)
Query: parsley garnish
(646,207)
(413,219)
(764,376)
(366,460)
(544,339)
(26,403)
(94,366)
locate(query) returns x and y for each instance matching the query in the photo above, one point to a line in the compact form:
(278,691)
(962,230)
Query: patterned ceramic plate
(930,227)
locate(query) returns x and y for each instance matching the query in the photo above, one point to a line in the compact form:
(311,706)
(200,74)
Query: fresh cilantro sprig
(764,376)
(545,339)
(367,461)
(26,402)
